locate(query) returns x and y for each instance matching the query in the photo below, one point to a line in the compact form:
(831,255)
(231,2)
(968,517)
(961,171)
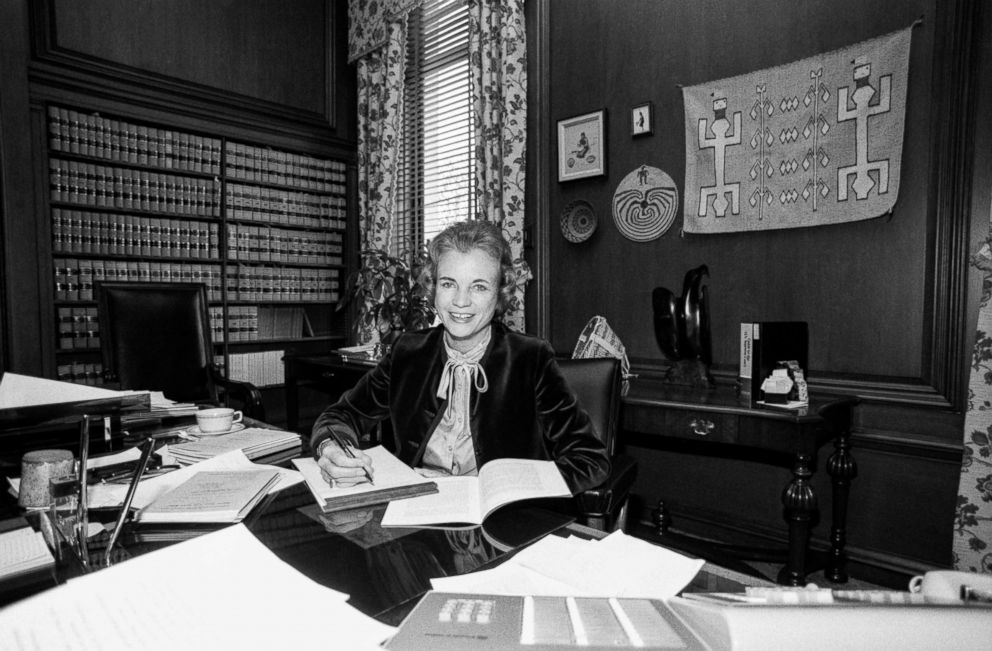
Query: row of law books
(288,207)
(264,165)
(94,136)
(78,328)
(76,278)
(258,323)
(79,231)
(262,368)
(78,372)
(272,244)
(276,284)
(92,184)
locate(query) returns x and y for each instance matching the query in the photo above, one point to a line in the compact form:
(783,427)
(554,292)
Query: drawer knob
(702,427)
(327,375)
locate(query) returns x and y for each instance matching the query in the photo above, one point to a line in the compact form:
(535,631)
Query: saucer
(195,430)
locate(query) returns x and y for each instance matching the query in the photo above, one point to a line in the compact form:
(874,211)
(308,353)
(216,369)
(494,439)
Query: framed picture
(640,120)
(582,146)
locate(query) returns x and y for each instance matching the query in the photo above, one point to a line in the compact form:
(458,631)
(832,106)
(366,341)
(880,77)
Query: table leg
(292,397)
(800,507)
(842,469)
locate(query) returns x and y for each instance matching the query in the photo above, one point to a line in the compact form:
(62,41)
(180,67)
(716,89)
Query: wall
(888,300)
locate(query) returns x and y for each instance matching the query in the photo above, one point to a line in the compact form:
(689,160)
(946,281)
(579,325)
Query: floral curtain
(497,47)
(973,516)
(380,119)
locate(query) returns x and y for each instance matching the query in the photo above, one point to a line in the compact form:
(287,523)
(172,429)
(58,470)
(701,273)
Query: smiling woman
(468,390)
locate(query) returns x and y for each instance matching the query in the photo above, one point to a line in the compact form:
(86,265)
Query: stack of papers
(189,600)
(222,496)
(162,406)
(253,441)
(23,551)
(108,495)
(615,566)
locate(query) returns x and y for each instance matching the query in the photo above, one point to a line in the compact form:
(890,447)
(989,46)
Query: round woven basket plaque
(645,204)
(578,221)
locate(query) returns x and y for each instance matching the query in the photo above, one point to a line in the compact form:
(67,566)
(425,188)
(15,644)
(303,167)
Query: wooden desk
(719,418)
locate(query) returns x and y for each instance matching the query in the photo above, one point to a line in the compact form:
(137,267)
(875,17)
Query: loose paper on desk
(468,500)
(615,566)
(181,597)
(22,551)
(25,391)
(212,496)
(109,495)
(394,480)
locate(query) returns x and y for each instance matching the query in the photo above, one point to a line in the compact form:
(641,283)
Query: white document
(615,566)
(25,391)
(221,590)
(211,496)
(23,550)
(468,500)
(130,454)
(110,495)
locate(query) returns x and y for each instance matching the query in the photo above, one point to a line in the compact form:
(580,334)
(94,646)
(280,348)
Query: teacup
(217,420)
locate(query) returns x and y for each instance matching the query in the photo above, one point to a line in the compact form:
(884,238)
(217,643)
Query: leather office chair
(596,382)
(156,336)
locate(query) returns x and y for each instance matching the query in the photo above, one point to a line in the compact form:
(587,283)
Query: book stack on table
(259,445)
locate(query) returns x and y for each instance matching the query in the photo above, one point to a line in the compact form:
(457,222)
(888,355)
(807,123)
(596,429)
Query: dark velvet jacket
(528,411)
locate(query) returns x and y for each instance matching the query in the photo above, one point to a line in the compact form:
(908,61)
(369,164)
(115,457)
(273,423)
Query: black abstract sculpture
(682,329)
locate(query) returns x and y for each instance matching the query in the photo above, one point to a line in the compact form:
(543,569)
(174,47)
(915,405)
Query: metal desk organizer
(80,427)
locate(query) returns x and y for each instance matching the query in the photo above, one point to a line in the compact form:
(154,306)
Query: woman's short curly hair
(467,236)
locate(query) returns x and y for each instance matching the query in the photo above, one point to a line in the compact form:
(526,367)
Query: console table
(718,417)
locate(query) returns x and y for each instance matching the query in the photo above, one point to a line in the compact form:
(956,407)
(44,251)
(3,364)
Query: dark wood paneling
(280,49)
(280,67)
(20,349)
(885,298)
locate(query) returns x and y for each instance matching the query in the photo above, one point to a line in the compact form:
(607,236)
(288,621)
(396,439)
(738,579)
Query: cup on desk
(217,419)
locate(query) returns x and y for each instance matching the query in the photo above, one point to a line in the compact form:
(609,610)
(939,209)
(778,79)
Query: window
(437,161)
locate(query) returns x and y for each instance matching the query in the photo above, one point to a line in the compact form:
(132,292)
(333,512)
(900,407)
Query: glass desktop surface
(385,570)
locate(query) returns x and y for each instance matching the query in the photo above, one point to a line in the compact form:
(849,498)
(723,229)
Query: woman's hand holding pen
(340,469)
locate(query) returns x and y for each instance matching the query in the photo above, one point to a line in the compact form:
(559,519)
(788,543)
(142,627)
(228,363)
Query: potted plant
(389,296)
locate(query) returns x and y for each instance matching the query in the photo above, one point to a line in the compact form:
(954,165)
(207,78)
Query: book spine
(748,364)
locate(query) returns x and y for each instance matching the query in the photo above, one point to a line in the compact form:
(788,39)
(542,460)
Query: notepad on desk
(394,480)
(211,496)
(468,499)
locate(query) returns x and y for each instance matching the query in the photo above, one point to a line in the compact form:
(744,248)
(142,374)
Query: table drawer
(702,426)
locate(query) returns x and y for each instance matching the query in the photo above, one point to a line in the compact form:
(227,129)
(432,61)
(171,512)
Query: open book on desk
(468,500)
(394,480)
(224,496)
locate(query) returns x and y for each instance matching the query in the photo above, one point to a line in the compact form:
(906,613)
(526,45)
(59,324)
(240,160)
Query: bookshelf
(263,228)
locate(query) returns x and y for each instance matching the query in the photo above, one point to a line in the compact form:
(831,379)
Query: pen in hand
(347,450)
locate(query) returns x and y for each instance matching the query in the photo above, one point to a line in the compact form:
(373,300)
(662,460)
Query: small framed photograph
(641,119)
(582,146)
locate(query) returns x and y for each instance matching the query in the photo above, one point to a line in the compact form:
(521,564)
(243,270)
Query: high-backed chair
(156,336)
(596,382)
